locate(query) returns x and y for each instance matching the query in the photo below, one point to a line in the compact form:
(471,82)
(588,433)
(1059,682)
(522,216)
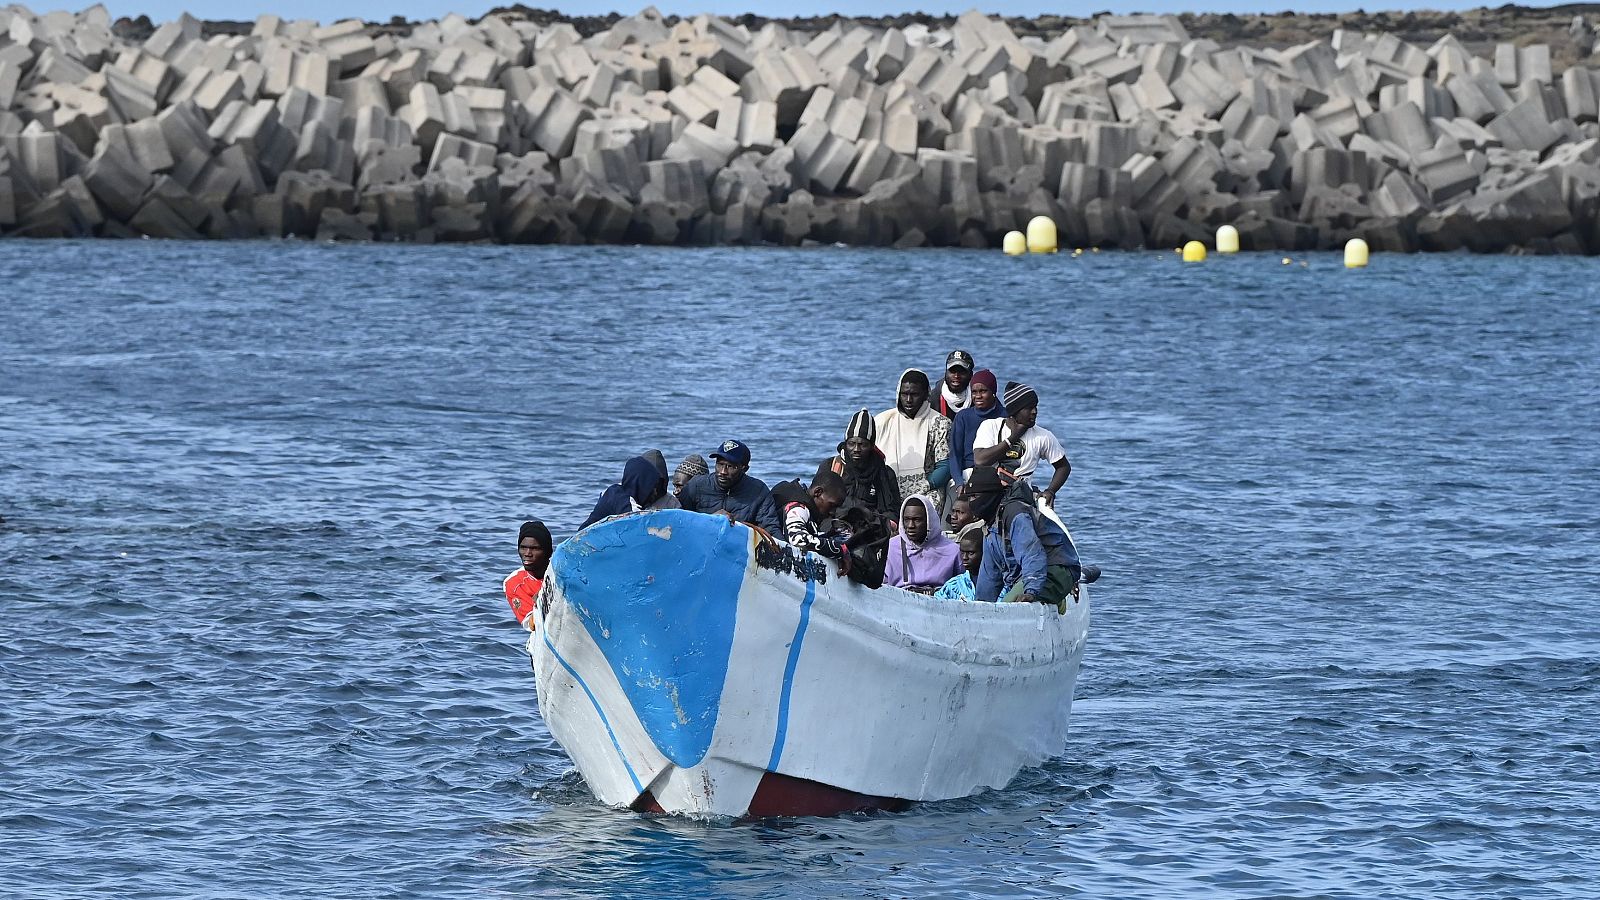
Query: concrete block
(451,146)
(1404,125)
(701,142)
(148,146)
(117,180)
(679,182)
(786,78)
(348,47)
(997,151)
(1150,90)
(1514,65)
(1524,127)
(553,117)
(1446,172)
(889,56)
(755,125)
(399,75)
(1140,30)
(1203,87)
(1578,92)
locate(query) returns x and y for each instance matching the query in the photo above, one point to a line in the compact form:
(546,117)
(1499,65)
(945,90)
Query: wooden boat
(690,665)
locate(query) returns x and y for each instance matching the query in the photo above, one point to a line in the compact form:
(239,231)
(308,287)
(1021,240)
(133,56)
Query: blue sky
(160,10)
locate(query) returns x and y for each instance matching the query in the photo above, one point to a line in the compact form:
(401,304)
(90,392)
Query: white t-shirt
(1038,444)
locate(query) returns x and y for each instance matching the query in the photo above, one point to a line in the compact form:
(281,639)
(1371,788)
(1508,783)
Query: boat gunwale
(858,616)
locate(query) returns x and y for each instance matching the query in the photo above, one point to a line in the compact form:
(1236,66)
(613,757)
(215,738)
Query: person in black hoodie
(869,483)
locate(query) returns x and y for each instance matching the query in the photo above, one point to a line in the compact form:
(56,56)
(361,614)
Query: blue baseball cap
(733,451)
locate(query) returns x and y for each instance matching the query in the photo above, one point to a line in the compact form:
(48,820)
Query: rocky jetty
(1128,131)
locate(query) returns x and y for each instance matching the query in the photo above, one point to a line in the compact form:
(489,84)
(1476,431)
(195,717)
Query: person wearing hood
(914,440)
(668,498)
(730,491)
(986,405)
(1027,557)
(962,587)
(920,558)
(869,483)
(534,547)
(954,393)
(642,484)
(1018,444)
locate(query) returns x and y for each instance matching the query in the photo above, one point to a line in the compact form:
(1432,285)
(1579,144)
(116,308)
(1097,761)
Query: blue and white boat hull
(689,665)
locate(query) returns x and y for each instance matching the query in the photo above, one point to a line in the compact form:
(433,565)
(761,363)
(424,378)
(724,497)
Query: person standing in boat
(869,483)
(1018,444)
(954,393)
(963,586)
(915,440)
(986,405)
(730,491)
(1027,557)
(920,557)
(534,546)
(642,484)
(808,514)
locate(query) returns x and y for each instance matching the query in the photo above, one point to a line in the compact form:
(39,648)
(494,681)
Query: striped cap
(1019,396)
(862,426)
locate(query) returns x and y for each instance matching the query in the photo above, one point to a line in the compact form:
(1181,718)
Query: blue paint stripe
(545,635)
(788,676)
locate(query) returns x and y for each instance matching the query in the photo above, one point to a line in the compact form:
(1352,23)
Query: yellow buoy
(1015,244)
(1227,239)
(1355,254)
(1287,261)
(1194,251)
(1041,235)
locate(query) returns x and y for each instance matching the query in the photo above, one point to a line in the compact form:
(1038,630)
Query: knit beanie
(862,426)
(1020,396)
(692,465)
(985,378)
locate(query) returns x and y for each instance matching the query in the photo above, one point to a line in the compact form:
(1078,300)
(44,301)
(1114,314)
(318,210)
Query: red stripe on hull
(785,795)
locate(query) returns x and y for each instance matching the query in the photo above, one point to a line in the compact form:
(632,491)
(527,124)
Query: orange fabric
(522,590)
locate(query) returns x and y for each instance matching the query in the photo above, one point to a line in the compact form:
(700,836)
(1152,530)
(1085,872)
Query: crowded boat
(949,493)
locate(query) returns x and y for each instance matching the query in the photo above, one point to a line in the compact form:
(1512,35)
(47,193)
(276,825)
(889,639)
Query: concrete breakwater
(1125,130)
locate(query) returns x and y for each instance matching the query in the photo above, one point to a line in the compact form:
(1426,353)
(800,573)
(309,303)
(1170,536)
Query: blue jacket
(749,501)
(963,431)
(1031,551)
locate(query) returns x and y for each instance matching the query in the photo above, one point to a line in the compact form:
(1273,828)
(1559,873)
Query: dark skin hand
(1016,425)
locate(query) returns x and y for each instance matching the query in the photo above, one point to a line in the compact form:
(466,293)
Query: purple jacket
(927,565)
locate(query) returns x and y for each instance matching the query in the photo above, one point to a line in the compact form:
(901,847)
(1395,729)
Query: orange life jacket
(522,591)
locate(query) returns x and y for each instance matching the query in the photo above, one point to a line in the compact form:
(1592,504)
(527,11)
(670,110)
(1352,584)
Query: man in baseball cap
(728,490)
(954,395)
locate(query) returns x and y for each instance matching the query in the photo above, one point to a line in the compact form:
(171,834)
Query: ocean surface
(259,499)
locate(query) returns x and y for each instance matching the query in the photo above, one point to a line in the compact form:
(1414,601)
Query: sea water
(259,499)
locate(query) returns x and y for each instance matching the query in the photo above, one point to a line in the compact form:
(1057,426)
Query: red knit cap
(985,378)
